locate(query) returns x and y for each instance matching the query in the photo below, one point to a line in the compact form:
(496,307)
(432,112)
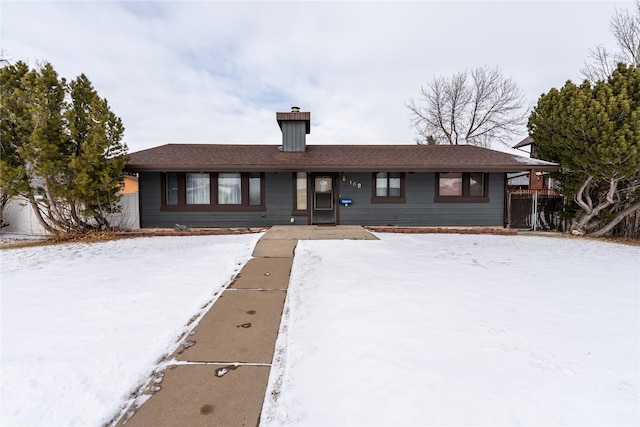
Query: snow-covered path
(459,330)
(83,324)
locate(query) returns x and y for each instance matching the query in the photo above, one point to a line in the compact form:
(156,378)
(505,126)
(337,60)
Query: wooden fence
(534,210)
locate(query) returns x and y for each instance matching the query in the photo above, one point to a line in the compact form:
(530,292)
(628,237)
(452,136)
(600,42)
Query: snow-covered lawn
(411,329)
(459,330)
(84,324)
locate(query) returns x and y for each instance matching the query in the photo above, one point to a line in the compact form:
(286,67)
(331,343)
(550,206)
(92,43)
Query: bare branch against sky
(625,29)
(477,107)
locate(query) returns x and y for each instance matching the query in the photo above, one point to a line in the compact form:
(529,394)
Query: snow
(83,325)
(533,162)
(409,330)
(8,238)
(459,330)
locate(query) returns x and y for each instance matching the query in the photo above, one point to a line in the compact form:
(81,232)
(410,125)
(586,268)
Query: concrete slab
(264,273)
(317,232)
(274,248)
(194,395)
(242,326)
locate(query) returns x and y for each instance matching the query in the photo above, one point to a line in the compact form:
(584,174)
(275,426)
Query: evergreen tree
(15,131)
(593,131)
(61,148)
(97,154)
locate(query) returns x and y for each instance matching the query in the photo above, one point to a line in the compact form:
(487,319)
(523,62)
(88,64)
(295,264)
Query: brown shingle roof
(330,158)
(527,141)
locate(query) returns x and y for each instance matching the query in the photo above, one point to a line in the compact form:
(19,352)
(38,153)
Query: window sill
(388,200)
(460,199)
(212,208)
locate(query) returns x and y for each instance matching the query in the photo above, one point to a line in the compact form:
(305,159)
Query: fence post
(509,193)
(534,207)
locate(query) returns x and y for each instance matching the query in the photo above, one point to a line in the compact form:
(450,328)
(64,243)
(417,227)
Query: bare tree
(477,107)
(625,27)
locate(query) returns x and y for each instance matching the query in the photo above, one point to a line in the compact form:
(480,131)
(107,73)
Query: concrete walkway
(218,376)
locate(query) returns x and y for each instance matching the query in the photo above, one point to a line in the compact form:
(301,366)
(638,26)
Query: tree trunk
(589,211)
(621,215)
(38,213)
(4,200)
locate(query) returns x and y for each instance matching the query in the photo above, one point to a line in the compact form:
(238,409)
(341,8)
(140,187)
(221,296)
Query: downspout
(507,203)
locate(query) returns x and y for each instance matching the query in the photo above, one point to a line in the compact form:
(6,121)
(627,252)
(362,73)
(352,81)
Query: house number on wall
(351,182)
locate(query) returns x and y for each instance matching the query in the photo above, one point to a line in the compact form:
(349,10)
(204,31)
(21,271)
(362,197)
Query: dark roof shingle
(330,158)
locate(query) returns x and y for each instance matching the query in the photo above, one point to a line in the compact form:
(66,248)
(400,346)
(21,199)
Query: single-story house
(218,185)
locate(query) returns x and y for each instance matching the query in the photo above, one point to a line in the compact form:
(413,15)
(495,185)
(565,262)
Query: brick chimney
(295,126)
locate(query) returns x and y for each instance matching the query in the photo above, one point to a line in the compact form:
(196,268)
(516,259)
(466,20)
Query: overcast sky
(217,72)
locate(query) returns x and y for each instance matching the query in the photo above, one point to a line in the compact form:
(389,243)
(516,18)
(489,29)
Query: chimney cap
(294,115)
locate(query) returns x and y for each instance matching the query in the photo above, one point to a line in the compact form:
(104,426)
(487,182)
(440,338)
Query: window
(212,191)
(450,184)
(462,187)
(476,184)
(198,189)
(229,189)
(300,195)
(255,189)
(388,188)
(171,195)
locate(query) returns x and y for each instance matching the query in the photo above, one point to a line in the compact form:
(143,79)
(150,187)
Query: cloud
(208,71)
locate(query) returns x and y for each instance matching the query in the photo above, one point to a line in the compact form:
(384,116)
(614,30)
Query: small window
(171,194)
(394,184)
(462,187)
(388,188)
(382,184)
(476,184)
(255,189)
(301,191)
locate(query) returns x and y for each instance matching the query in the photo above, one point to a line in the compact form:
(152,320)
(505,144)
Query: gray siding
(293,135)
(278,200)
(420,208)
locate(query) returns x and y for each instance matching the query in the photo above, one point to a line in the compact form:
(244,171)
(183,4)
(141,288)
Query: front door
(323,209)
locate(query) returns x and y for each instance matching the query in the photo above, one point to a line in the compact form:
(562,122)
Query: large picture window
(462,187)
(229,189)
(198,189)
(189,191)
(388,188)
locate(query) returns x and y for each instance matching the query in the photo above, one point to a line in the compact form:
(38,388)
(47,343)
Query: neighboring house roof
(518,179)
(328,158)
(527,141)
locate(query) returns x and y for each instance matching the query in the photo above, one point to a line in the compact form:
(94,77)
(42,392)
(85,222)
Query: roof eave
(337,168)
